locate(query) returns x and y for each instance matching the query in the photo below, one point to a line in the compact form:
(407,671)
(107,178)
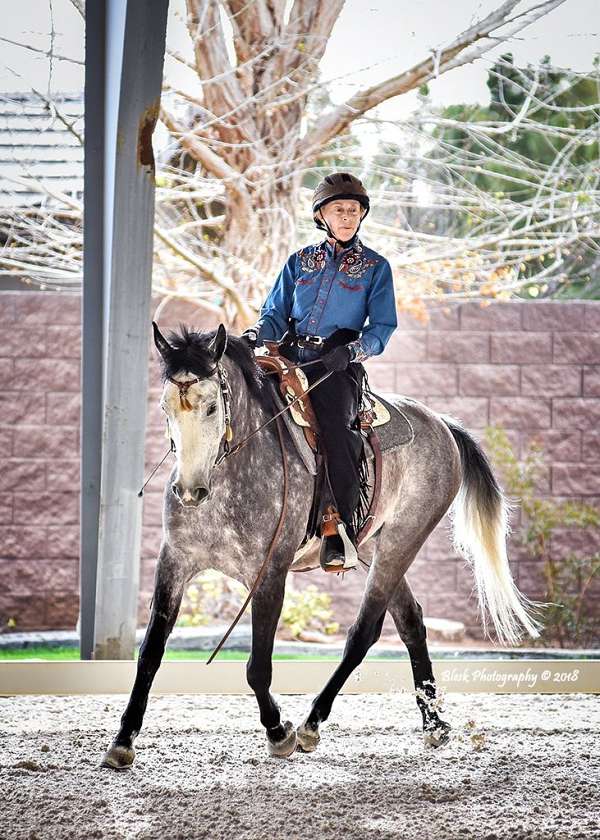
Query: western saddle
(293,383)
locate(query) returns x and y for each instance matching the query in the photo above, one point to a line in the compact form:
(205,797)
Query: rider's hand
(337,359)
(250,336)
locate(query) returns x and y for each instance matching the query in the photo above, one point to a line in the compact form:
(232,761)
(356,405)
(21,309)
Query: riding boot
(335,556)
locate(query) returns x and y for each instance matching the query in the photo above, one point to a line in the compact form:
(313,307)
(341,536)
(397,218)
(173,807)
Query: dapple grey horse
(223,517)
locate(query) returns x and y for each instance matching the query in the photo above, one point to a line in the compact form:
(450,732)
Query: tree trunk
(248,128)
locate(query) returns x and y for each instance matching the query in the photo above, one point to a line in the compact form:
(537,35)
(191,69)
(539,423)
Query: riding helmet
(339,185)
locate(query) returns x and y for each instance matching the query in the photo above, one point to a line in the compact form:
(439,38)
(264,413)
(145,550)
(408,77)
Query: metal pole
(134,46)
(92,319)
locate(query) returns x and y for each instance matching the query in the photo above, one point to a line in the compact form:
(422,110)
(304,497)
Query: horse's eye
(211,409)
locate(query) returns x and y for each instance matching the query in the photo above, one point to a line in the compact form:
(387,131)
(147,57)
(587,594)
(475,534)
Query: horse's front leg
(362,635)
(266,609)
(168,592)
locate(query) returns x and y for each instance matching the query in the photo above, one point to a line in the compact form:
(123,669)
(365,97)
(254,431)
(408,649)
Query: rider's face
(343,217)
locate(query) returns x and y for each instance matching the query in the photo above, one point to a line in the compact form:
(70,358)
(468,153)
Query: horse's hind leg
(408,618)
(266,609)
(168,592)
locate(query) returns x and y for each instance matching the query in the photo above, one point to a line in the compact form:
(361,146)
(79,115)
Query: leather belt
(317,342)
(309,340)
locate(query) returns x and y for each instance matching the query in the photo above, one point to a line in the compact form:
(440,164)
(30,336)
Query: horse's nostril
(193,496)
(200,493)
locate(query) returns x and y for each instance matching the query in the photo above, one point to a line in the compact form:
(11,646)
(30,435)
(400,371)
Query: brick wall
(39,459)
(533,368)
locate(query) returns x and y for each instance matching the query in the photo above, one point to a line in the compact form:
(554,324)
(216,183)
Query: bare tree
(247,128)
(504,199)
(233,188)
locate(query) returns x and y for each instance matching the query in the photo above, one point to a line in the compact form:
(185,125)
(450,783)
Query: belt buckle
(316,339)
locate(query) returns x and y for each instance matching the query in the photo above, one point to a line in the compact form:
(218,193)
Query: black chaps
(336,404)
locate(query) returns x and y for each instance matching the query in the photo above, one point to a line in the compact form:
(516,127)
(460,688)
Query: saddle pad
(399,431)
(396,432)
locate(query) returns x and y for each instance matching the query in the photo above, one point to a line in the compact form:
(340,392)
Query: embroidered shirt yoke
(324,293)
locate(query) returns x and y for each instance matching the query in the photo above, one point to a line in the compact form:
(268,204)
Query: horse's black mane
(190,352)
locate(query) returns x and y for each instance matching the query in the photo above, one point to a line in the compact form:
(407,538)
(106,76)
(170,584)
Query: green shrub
(210,597)
(307,609)
(214,597)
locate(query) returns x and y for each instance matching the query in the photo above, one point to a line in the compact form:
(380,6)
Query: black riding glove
(250,336)
(337,359)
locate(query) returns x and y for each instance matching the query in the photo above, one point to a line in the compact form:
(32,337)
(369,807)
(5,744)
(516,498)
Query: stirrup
(350,553)
(332,525)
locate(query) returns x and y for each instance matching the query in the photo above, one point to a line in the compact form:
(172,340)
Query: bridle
(225,394)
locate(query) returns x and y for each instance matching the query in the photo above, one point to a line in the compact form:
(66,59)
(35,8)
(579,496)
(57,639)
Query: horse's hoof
(436,734)
(287,745)
(118,757)
(308,738)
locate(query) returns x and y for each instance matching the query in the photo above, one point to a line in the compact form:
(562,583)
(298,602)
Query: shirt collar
(329,247)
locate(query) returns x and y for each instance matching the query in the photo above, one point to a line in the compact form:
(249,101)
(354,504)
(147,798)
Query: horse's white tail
(480,520)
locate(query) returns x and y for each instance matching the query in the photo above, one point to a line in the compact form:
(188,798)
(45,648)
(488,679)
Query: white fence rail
(116,677)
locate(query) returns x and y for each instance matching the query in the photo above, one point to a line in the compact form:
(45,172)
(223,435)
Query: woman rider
(317,309)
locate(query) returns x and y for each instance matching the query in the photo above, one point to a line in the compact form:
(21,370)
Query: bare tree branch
(232,179)
(230,290)
(80,6)
(210,52)
(470,45)
(47,53)
(69,125)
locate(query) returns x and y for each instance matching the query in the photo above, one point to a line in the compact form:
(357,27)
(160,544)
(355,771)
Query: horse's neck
(247,412)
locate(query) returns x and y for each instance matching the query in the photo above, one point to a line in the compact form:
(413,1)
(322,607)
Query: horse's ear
(218,344)
(162,345)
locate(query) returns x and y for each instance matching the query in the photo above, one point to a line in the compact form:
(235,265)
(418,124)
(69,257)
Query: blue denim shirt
(324,293)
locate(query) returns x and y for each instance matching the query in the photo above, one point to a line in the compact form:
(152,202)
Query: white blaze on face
(196,433)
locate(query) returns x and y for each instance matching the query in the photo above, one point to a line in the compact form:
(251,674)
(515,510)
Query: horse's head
(193,402)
